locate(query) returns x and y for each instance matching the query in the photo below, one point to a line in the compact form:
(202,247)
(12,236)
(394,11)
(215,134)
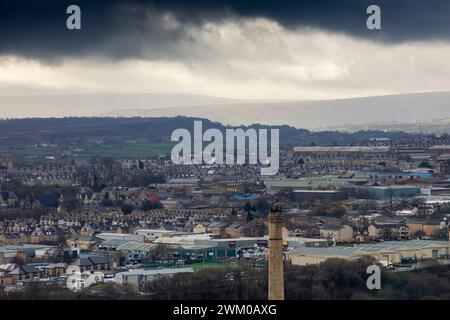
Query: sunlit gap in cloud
(244,59)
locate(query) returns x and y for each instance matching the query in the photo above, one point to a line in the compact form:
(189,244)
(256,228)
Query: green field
(30,152)
(206,265)
(126,150)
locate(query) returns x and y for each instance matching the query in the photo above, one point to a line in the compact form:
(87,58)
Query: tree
(211,284)
(107,162)
(425,164)
(107,202)
(19,259)
(247,207)
(72,204)
(262,206)
(145,178)
(56,256)
(127,208)
(386,233)
(160,253)
(148,205)
(419,234)
(337,211)
(442,234)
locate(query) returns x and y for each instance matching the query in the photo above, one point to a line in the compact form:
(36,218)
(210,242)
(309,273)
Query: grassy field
(127,150)
(31,152)
(130,149)
(206,265)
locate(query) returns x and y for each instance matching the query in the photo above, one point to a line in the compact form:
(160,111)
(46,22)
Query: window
(434,254)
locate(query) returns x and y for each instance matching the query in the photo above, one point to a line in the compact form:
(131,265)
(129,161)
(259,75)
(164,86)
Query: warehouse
(389,252)
(137,279)
(395,191)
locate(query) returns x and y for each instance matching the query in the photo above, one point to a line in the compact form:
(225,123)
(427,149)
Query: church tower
(6,160)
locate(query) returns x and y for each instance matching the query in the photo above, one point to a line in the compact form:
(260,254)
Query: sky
(243,49)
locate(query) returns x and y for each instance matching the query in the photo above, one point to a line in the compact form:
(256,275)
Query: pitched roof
(90,261)
(86,238)
(98,259)
(23,269)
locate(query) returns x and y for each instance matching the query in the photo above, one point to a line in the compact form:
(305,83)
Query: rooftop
(155,271)
(364,249)
(128,245)
(342,149)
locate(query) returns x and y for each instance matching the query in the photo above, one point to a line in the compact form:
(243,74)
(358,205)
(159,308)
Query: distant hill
(317,115)
(20,132)
(440,126)
(64,105)
(379,112)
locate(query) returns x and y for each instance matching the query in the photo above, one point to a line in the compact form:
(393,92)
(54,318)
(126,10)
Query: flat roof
(317,191)
(129,245)
(395,186)
(9,247)
(192,246)
(184,239)
(435,199)
(155,271)
(364,249)
(156,231)
(302,240)
(114,234)
(240,239)
(342,149)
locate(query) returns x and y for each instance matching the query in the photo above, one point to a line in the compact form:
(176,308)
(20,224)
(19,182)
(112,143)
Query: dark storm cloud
(120,29)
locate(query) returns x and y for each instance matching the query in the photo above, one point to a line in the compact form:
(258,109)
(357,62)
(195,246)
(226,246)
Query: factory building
(389,252)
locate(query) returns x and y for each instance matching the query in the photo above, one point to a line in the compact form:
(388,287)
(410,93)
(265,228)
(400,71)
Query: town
(213,153)
(129,221)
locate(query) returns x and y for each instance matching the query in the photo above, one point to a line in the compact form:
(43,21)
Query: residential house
(337,233)
(217,227)
(54,270)
(199,228)
(83,242)
(81,280)
(16,272)
(389,232)
(90,263)
(428,227)
(236,230)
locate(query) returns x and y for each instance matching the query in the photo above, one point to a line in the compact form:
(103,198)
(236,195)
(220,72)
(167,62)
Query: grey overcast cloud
(244,50)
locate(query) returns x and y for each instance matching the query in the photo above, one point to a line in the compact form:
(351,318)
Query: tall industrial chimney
(276,276)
